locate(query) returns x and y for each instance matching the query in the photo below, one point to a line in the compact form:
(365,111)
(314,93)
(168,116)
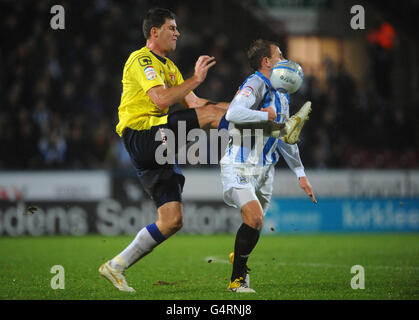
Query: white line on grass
(321,265)
(214,259)
(328,265)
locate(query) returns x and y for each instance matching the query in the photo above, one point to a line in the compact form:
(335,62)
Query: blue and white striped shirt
(254,94)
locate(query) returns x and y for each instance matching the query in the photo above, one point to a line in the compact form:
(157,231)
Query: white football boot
(294,125)
(115,276)
(238,285)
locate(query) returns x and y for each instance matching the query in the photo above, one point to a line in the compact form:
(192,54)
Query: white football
(287,76)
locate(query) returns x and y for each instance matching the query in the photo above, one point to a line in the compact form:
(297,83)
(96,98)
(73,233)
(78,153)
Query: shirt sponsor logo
(150,73)
(246,91)
(145,61)
(172,77)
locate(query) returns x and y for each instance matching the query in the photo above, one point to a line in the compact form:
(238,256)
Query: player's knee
(252,214)
(254,220)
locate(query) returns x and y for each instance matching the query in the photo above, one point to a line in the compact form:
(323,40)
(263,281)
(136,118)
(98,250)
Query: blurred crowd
(60,90)
(355,127)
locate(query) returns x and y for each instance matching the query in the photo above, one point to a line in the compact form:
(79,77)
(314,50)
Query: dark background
(60,89)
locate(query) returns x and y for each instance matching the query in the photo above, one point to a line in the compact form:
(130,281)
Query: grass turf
(195,267)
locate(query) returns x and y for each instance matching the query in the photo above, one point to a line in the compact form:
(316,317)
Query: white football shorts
(244,184)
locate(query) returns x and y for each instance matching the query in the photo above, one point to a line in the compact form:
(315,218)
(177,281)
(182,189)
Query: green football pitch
(196,267)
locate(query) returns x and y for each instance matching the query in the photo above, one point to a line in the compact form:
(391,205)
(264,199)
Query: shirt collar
(266,80)
(162,59)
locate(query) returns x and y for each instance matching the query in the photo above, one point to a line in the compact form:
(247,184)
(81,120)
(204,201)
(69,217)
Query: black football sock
(246,239)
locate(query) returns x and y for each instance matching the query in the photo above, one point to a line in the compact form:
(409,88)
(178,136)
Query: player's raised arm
(240,110)
(164,97)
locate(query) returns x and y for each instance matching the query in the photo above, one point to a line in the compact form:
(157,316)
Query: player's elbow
(159,97)
(161,103)
(230,115)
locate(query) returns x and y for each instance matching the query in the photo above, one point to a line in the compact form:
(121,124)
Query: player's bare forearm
(165,97)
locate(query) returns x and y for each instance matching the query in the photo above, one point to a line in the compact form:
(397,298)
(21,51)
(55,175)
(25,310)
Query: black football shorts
(163,183)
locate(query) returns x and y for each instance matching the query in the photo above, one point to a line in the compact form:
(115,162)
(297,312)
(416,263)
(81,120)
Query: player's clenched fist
(202,65)
(271,113)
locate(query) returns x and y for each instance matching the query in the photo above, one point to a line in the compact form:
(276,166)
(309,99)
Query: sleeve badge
(246,91)
(150,73)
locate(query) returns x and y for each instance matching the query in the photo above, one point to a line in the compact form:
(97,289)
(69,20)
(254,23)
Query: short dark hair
(258,50)
(156,17)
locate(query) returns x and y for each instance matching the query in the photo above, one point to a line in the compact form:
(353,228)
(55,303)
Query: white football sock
(137,249)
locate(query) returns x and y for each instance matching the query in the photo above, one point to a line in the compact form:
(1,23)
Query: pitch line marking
(320,265)
(216,260)
(328,265)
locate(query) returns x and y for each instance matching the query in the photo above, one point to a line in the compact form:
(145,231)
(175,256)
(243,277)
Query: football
(287,76)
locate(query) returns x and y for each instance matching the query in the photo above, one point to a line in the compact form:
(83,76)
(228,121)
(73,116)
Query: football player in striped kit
(247,169)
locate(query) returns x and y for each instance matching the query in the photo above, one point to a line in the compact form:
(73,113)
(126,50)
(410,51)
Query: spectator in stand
(53,150)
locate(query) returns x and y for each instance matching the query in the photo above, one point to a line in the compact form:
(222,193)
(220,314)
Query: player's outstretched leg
(209,116)
(294,125)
